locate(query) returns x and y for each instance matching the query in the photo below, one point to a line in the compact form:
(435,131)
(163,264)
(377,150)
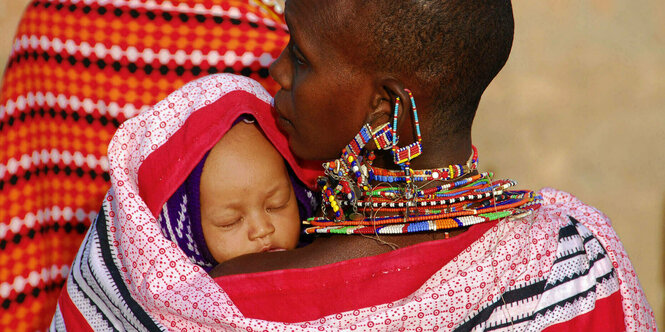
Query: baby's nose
(261,226)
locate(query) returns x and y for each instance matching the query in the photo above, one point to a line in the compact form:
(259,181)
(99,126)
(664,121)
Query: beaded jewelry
(396,204)
(402,156)
(436,174)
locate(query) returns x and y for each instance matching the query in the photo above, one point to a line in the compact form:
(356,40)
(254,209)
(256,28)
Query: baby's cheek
(293,229)
(225,247)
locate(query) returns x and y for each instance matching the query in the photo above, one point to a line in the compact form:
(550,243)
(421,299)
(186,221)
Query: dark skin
(323,251)
(326,98)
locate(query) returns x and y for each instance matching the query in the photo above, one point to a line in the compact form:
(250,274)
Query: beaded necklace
(359,198)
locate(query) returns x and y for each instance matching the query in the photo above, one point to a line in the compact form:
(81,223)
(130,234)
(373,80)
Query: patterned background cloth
(78,69)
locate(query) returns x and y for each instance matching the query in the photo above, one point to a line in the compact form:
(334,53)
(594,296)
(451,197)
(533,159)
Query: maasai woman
(417,237)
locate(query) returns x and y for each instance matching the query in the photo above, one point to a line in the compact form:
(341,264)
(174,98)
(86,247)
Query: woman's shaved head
(450,49)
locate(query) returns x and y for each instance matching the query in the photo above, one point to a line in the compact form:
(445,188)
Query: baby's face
(247,200)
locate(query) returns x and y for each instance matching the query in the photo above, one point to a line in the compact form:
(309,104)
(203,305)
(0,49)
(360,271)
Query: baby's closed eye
(228,222)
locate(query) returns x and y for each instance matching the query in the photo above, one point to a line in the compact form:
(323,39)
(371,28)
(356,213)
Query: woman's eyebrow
(297,50)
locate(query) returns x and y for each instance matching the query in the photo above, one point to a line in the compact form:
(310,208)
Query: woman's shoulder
(559,209)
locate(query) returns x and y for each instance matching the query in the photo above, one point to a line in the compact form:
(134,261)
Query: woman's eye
(297,56)
(299,61)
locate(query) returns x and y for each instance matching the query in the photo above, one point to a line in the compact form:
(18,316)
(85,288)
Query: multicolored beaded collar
(359,198)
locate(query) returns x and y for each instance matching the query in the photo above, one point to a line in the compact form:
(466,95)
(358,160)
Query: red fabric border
(607,316)
(74,320)
(298,295)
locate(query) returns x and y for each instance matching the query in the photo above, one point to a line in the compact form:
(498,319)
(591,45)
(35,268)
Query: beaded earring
(403,156)
(350,171)
(349,165)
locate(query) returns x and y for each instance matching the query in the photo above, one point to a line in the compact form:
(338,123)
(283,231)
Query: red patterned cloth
(78,69)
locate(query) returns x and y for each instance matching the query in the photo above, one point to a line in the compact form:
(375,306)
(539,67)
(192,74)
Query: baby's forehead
(244,138)
(242,156)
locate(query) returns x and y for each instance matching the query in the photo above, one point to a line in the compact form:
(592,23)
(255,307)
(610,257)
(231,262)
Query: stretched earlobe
(384,102)
(379,116)
(395,89)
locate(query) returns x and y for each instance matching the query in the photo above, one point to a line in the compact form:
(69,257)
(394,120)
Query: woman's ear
(383,103)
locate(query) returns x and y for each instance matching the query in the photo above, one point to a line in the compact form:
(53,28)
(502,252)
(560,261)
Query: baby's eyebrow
(276,187)
(223,210)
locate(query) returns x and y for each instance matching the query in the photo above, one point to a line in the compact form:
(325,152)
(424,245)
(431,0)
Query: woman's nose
(260,226)
(280,70)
